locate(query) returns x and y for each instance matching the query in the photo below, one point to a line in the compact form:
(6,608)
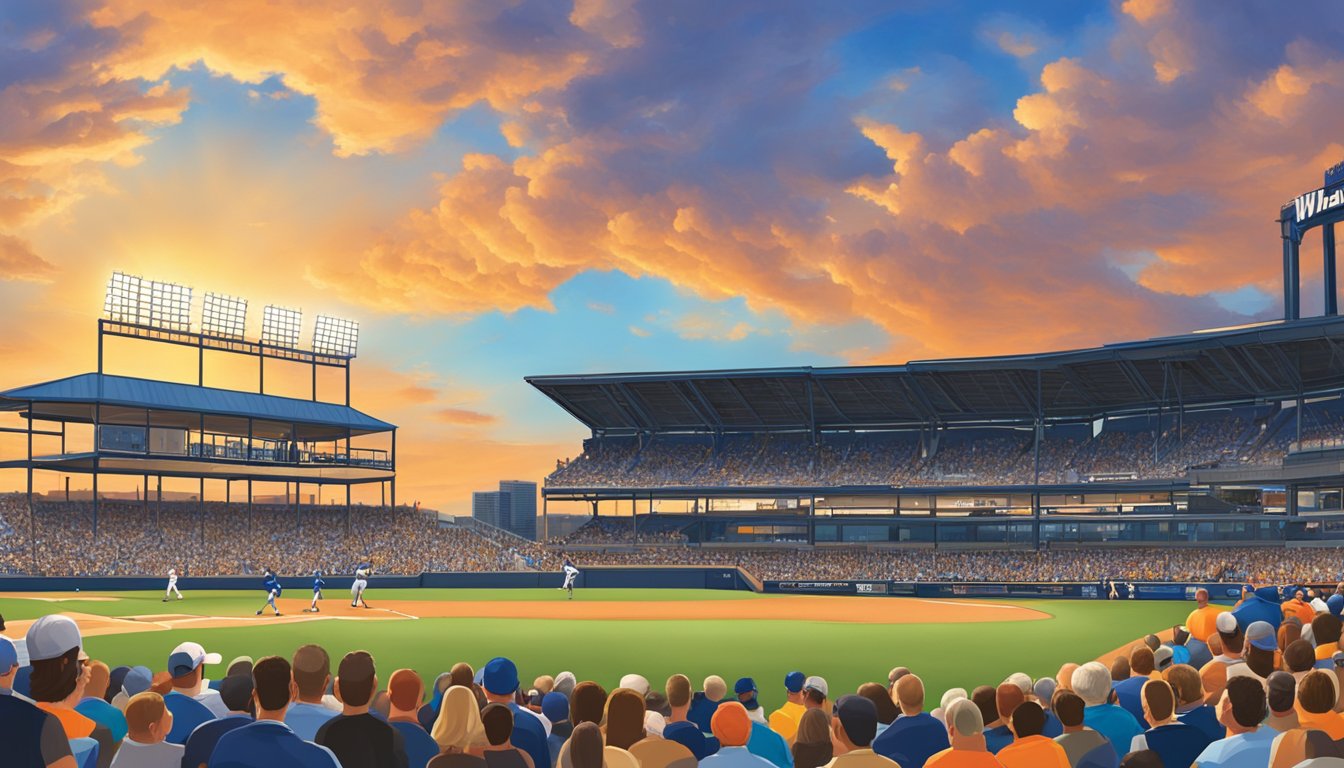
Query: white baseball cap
(817,684)
(1226,622)
(188,656)
(50,637)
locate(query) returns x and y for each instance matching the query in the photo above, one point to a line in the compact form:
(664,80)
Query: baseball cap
(637,683)
(1261,635)
(114,680)
(793,681)
(137,680)
(731,724)
(858,716)
(500,676)
(1226,622)
(744,685)
(564,683)
(235,690)
(51,636)
(817,684)
(555,706)
(1335,603)
(9,655)
(188,656)
(1162,657)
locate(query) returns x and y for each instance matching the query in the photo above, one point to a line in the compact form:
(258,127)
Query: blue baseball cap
(500,676)
(794,681)
(1260,634)
(137,680)
(555,707)
(1335,603)
(744,685)
(9,655)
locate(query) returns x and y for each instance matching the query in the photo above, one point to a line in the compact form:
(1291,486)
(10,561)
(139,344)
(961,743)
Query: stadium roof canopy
(1256,363)
(126,400)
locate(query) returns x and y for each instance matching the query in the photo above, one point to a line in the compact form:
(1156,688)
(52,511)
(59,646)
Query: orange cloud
(465,417)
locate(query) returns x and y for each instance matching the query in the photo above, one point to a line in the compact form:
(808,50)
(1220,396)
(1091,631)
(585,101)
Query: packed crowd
(619,531)
(1255,687)
(957,457)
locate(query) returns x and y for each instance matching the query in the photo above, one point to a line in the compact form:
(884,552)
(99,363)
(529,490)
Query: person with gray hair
(564,683)
(1092,683)
(965,733)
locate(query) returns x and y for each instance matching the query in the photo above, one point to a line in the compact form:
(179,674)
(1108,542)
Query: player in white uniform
(361,583)
(571,573)
(172,585)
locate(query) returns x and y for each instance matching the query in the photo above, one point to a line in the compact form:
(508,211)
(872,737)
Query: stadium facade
(1212,437)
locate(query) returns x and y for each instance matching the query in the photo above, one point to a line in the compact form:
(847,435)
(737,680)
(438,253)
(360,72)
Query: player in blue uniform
(273,589)
(317,592)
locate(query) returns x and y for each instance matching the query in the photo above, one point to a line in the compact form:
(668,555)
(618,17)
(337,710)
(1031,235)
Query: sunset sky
(499,188)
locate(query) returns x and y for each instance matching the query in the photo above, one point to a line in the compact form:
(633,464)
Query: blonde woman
(458,731)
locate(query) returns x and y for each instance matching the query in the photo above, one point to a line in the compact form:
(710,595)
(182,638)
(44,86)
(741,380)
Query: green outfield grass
(846,654)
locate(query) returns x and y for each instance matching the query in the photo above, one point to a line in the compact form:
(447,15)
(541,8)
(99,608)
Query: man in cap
(185,667)
(1214,675)
(1335,604)
(815,692)
(236,693)
(784,720)
(193,684)
(853,727)
(745,690)
(965,727)
(356,736)
(1280,696)
(268,742)
(1163,658)
(555,708)
(311,668)
(915,736)
(499,680)
(732,727)
(58,679)
(31,737)
(136,680)
(637,683)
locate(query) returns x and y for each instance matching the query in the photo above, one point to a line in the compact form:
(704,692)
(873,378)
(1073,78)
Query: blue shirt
(187,714)
(912,739)
(1249,750)
(529,735)
(1205,718)
(997,738)
(104,714)
(769,745)
(1130,693)
(305,719)
(1052,727)
(271,584)
(1176,743)
(1112,721)
(690,736)
(317,584)
(268,744)
(701,711)
(735,757)
(201,743)
(420,748)
(21,727)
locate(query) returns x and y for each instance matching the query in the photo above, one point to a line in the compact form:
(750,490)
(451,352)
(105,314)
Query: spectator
(767,744)
(357,738)
(1214,675)
(404,691)
(185,667)
(1030,748)
(662,752)
(148,722)
(94,705)
(585,746)
(624,718)
(1191,708)
(949,696)
(461,674)
(1299,658)
(815,692)
(965,730)
(1128,690)
(985,699)
(1064,677)
(732,727)
(812,747)
(1092,683)
(678,727)
(312,676)
(1316,697)
(1261,650)
(137,680)
(637,683)
(882,699)
(1200,624)
(745,690)
(1082,745)
(458,731)
(32,738)
(1241,710)
(587,704)
(784,720)
(114,680)
(500,681)
(268,742)
(1281,696)
(1325,629)
(236,693)
(915,736)
(58,679)
(706,701)
(555,707)
(854,726)
(498,721)
(1176,742)
(1007,697)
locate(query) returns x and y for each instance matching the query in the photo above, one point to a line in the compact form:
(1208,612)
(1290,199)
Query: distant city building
(513,507)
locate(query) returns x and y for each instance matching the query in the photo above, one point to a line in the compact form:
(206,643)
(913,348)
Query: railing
(1317,444)
(224,447)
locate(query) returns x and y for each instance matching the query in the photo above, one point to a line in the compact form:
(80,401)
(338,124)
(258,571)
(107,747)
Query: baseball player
(317,592)
(571,573)
(172,585)
(273,589)
(362,572)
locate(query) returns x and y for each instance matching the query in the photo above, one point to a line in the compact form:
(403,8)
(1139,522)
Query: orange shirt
(76,725)
(1201,623)
(1330,722)
(1033,752)
(1302,610)
(962,758)
(1326,650)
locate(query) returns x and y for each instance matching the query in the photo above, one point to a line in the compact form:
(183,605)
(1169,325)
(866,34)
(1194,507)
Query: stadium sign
(1316,202)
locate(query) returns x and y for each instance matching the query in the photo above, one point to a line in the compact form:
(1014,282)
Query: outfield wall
(1088,590)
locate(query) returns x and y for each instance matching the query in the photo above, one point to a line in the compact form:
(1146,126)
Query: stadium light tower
(336,336)
(223,316)
(133,300)
(280,327)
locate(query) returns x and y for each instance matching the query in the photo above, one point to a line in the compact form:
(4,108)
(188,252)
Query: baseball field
(603,634)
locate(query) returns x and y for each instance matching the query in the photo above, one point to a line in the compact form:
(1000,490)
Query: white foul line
(963,602)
